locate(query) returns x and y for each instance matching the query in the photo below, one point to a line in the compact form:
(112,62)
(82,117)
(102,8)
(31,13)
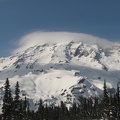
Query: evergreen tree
(16,102)
(105,102)
(118,100)
(40,112)
(17,91)
(97,108)
(90,107)
(84,108)
(21,115)
(28,112)
(46,113)
(62,111)
(7,102)
(112,108)
(25,109)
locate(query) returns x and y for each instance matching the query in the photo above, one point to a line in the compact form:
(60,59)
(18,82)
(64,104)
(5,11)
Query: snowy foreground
(61,72)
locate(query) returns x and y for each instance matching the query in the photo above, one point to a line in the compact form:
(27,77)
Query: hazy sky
(20,17)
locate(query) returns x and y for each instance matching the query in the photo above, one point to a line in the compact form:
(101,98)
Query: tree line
(105,107)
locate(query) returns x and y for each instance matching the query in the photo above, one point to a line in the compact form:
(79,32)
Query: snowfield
(65,71)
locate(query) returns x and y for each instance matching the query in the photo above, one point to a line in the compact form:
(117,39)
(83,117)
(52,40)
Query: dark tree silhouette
(7,102)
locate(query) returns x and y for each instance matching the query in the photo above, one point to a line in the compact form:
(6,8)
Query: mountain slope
(65,71)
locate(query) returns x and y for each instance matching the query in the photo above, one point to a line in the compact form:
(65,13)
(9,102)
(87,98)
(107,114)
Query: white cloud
(57,37)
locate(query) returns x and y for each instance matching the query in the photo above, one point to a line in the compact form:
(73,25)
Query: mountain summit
(65,71)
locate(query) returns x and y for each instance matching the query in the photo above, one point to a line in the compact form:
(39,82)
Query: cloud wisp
(39,37)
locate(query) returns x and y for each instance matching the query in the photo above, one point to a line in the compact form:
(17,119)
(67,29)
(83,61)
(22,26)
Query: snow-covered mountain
(64,71)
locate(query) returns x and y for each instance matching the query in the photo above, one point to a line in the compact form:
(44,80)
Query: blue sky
(20,17)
